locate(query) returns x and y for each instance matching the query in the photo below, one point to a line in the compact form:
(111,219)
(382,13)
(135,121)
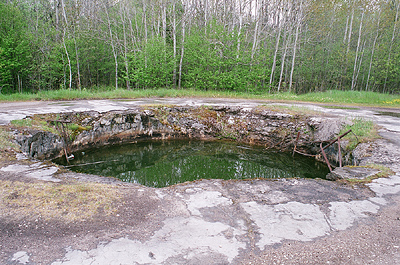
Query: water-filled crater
(164,163)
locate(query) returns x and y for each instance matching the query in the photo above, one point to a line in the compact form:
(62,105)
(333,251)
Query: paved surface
(215,221)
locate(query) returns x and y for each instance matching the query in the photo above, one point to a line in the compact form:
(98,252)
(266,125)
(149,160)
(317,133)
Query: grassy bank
(329,97)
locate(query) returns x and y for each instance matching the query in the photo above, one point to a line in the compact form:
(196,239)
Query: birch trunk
(174,40)
(295,45)
(182,53)
(353,80)
(205,16)
(360,63)
(256,17)
(350,32)
(145,31)
(391,46)
(65,46)
(373,51)
(238,35)
(114,50)
(69,62)
(77,65)
(123,16)
(345,32)
(277,47)
(283,60)
(164,22)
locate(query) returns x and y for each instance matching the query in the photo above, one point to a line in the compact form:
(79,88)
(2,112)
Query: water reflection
(164,163)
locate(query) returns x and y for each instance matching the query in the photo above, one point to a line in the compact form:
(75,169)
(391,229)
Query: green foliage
(362,131)
(22,123)
(215,63)
(152,67)
(33,123)
(14,48)
(141,44)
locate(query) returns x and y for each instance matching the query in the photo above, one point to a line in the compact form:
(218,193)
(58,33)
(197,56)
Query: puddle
(165,163)
(391,114)
(340,107)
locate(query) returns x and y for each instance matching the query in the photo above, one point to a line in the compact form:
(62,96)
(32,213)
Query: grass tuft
(365,130)
(329,97)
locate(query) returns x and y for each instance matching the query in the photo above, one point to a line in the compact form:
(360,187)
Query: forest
(253,46)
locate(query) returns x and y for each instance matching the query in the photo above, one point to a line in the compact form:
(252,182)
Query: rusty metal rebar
(295,144)
(340,151)
(326,159)
(335,140)
(64,134)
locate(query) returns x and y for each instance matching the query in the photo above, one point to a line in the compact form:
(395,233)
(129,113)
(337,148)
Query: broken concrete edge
(256,126)
(360,174)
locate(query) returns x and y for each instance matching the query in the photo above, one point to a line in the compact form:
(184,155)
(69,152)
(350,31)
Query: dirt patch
(66,202)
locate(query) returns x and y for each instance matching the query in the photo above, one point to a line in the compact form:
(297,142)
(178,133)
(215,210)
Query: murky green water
(164,163)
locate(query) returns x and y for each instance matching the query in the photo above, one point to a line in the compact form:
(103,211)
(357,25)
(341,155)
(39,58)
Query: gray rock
(360,173)
(326,128)
(40,144)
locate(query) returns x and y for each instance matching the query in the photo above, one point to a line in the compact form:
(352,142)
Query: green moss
(51,123)
(34,123)
(27,122)
(384,173)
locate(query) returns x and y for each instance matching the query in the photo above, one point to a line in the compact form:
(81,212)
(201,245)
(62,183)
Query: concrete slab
(211,222)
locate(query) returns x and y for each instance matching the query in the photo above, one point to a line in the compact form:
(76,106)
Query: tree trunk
(283,59)
(65,46)
(174,40)
(164,22)
(391,46)
(256,17)
(238,35)
(182,52)
(114,50)
(295,45)
(353,80)
(280,25)
(123,16)
(145,32)
(77,65)
(360,63)
(69,62)
(350,31)
(373,50)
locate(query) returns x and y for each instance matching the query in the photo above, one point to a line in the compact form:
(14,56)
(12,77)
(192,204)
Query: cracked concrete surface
(223,222)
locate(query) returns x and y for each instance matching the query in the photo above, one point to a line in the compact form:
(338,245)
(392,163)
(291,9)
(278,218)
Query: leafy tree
(14,49)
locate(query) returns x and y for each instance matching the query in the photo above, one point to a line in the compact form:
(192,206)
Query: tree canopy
(238,45)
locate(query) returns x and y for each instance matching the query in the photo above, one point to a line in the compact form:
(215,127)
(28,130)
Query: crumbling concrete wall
(260,126)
